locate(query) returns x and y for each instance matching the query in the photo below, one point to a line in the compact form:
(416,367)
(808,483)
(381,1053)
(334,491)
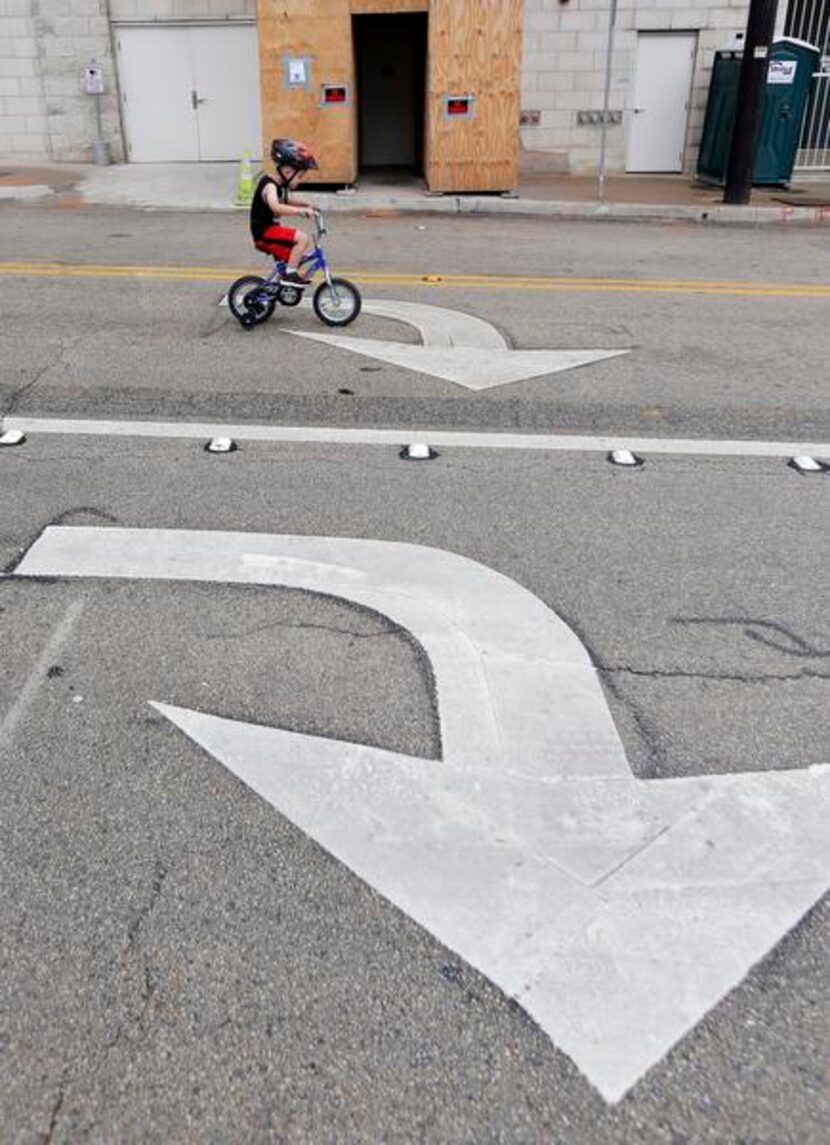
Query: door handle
(639,110)
(196,99)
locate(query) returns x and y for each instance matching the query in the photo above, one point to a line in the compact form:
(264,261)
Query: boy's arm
(277,208)
(293,209)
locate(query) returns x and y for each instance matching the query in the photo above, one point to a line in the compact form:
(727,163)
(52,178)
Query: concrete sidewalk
(212,187)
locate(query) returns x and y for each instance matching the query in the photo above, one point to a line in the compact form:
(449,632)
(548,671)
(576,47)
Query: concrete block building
(459,91)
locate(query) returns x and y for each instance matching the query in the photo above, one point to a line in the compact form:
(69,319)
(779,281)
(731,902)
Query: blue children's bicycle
(336,301)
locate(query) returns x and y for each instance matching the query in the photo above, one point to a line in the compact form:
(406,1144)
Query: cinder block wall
(23,129)
(44,47)
(564,72)
(69,34)
(149,10)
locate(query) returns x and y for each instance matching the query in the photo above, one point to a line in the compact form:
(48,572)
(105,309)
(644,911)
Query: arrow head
(615,967)
(472,367)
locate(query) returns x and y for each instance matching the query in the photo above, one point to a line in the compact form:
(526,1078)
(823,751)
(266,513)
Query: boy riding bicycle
(270,203)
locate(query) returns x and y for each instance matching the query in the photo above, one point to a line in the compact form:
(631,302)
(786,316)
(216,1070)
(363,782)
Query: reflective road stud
(809,465)
(220,445)
(12,437)
(417,451)
(625,457)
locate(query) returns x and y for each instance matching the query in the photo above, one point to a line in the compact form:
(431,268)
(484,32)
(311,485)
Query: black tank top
(261,214)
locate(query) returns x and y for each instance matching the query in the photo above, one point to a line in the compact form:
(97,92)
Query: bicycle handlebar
(319,221)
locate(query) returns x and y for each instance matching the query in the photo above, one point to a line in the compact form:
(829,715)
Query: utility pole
(606,102)
(760,28)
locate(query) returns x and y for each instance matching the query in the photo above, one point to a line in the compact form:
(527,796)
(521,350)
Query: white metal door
(189,93)
(226,80)
(155,77)
(662,90)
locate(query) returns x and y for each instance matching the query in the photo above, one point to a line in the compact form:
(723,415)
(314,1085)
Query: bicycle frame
(314,262)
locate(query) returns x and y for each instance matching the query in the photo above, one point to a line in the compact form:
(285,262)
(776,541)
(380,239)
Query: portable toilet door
(719,123)
(789,76)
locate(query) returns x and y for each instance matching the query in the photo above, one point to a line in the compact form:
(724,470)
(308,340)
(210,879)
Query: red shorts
(278,241)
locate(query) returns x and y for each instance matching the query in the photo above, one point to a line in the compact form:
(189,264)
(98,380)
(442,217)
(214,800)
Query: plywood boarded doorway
(475,52)
(310,87)
(390,68)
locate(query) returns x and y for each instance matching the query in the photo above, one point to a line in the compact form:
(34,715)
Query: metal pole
(606,104)
(760,29)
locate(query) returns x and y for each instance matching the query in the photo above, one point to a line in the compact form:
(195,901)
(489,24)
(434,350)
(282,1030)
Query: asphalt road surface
(180,961)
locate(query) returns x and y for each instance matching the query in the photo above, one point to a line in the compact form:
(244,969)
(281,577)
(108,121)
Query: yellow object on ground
(245,183)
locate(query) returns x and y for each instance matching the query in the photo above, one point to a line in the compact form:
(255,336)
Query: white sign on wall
(296,72)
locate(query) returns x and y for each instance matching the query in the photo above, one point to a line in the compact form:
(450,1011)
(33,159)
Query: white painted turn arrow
(616,911)
(456,347)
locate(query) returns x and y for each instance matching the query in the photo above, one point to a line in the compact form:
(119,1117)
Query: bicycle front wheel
(247,303)
(337,303)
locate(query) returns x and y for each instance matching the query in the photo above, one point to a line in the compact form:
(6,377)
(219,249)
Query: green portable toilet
(789,77)
(716,141)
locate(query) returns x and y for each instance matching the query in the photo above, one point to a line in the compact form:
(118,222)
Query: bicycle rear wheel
(247,303)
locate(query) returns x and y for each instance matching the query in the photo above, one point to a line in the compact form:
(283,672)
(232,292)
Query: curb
(355,203)
(27,191)
(599,212)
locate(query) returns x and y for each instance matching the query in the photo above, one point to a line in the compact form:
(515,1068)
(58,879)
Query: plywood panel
(387,7)
(474,49)
(321,31)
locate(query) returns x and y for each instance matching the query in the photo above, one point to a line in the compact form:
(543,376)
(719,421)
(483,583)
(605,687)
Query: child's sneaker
(293,278)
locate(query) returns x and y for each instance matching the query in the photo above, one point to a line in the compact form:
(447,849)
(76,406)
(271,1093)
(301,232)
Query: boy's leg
(302,245)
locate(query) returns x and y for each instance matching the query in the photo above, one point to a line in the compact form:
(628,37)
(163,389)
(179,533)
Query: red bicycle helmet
(294,154)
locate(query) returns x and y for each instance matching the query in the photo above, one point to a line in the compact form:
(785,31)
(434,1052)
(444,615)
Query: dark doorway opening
(390,64)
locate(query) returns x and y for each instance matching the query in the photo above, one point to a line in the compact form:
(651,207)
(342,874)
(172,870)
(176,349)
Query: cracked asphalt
(181,963)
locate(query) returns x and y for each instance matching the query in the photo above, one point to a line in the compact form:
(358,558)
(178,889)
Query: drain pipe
(606,104)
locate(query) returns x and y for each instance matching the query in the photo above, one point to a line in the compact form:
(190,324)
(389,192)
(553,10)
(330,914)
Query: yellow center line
(225,274)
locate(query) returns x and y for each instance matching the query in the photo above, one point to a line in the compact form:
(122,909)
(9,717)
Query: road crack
(336,629)
(770,633)
(147,986)
(21,391)
(728,677)
(56,1107)
(144,913)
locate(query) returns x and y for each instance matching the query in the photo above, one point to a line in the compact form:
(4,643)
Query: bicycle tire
(338,303)
(243,306)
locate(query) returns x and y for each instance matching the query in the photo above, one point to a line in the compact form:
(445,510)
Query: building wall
(44,45)
(565,53)
(22,111)
(149,10)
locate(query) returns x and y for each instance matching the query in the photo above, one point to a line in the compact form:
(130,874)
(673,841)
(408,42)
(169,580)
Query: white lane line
(332,435)
(617,911)
(27,693)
